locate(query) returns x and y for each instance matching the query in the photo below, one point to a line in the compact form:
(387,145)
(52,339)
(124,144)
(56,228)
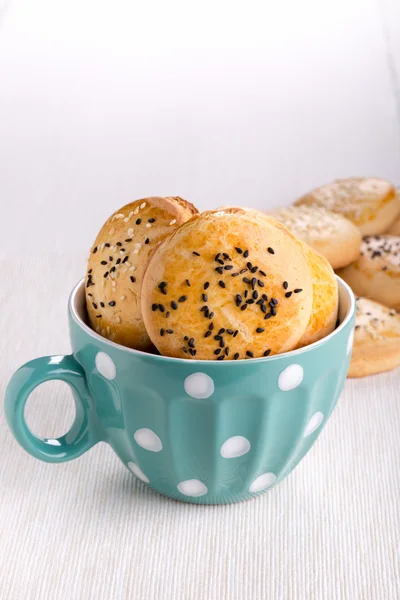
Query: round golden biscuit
(369,202)
(376,346)
(117,261)
(330,234)
(225,286)
(325,305)
(394,229)
(376,274)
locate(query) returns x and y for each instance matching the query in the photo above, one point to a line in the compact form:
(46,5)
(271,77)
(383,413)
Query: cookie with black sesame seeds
(371,203)
(244,307)
(117,262)
(330,234)
(376,274)
(376,346)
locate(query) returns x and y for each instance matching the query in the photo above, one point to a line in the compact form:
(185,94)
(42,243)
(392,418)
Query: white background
(219,102)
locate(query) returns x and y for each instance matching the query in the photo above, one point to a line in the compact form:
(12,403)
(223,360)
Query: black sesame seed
(271,250)
(174,305)
(161,307)
(217,351)
(118,244)
(263,273)
(125,259)
(260,301)
(204,297)
(110,258)
(229,331)
(226,256)
(138,221)
(298,290)
(169,330)
(265,297)
(222,344)
(128,239)
(221,357)
(267,352)
(147,240)
(236,332)
(90,295)
(217,256)
(98,316)
(102,304)
(273,302)
(186,338)
(218,337)
(219,270)
(192,352)
(112,269)
(211,315)
(227,351)
(221,284)
(103,262)
(163,291)
(152,220)
(243,271)
(182,299)
(95,250)
(285,285)
(234,274)
(228,267)
(191,343)
(162,284)
(246,294)
(254,269)
(206,313)
(161,332)
(260,283)
(288,294)
(357,326)
(263,308)
(221,262)
(188,282)
(203,308)
(154,307)
(239,298)
(185,350)
(207,334)
(250,354)
(105,274)
(255,295)
(196,253)
(112,303)
(132,279)
(206,285)
(249,265)
(211,326)
(117,261)
(167,313)
(250,301)
(107,245)
(253,283)
(236,356)
(238,250)
(246,280)
(222,330)
(243,307)
(260,329)
(94,305)
(245,253)
(273,311)
(90,270)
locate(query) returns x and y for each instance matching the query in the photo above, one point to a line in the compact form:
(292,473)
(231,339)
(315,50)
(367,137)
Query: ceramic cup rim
(79,321)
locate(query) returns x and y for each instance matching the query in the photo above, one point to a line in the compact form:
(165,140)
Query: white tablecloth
(88,529)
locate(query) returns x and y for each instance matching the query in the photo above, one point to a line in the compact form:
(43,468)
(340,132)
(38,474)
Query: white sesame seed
(112,231)
(143,205)
(118,319)
(123,297)
(108,329)
(126,219)
(127,264)
(119,216)
(130,232)
(132,268)
(136,251)
(121,252)
(131,214)
(124,271)
(172,222)
(138,245)
(103,332)
(135,212)
(148,225)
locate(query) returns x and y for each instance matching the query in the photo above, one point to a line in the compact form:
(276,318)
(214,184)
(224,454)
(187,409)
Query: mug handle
(84,430)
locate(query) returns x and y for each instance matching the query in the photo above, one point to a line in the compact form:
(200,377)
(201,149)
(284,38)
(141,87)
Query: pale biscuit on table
(376,274)
(376,346)
(117,261)
(330,234)
(226,286)
(370,203)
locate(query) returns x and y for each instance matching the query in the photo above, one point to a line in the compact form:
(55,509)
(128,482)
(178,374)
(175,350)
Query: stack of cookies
(355,224)
(228,284)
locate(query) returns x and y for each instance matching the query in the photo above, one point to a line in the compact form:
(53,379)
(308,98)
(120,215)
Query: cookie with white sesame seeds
(376,274)
(250,292)
(376,346)
(330,234)
(370,203)
(117,262)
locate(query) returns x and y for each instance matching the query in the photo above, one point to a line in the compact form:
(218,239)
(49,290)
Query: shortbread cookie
(227,286)
(117,261)
(376,274)
(369,202)
(376,345)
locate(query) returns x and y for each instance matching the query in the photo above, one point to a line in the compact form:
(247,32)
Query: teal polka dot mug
(205,432)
